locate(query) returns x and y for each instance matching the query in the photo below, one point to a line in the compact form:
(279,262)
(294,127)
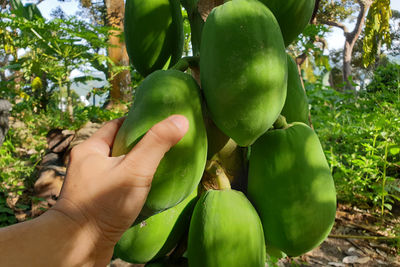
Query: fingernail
(180,121)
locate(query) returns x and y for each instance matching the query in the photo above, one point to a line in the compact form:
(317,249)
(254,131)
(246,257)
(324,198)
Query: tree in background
(363,71)
(310,46)
(111,13)
(334,13)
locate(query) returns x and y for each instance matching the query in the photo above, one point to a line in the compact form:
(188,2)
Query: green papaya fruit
(296,104)
(161,94)
(243,69)
(291,186)
(157,235)
(225,230)
(153,34)
(292,15)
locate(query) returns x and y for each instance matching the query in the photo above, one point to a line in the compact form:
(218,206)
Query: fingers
(102,140)
(144,158)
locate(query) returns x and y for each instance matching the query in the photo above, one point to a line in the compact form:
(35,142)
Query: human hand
(104,194)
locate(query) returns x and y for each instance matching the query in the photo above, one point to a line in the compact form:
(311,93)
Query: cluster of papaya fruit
(249,179)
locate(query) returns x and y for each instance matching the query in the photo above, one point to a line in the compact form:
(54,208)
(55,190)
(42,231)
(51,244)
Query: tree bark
(120,84)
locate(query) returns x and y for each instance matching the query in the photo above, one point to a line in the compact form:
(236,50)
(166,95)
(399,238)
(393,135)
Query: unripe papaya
(225,231)
(292,15)
(243,69)
(296,104)
(157,235)
(161,94)
(153,34)
(291,186)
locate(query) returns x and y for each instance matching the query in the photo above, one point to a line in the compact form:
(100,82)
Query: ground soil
(358,238)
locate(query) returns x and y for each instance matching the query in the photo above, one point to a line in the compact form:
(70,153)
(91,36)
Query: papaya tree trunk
(61,99)
(120,84)
(70,108)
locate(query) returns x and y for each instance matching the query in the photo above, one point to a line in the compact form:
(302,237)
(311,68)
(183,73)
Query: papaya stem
(217,178)
(186,62)
(280,122)
(222,180)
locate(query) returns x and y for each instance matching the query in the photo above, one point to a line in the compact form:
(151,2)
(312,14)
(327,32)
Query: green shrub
(386,78)
(361,137)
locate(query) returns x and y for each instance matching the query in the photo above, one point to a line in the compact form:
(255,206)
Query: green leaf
(377,30)
(6,210)
(11,220)
(394,150)
(3,217)
(388,206)
(23,207)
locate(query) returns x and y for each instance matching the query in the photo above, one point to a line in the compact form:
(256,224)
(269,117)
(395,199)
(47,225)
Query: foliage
(386,78)
(377,30)
(311,43)
(52,50)
(335,10)
(29,11)
(361,138)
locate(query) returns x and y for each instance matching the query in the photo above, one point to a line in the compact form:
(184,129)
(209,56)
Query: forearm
(52,239)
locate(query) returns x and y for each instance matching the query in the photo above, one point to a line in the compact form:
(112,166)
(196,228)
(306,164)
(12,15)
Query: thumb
(145,156)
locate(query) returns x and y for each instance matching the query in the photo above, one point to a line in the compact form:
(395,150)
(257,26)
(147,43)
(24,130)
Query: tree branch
(335,24)
(314,15)
(322,41)
(353,36)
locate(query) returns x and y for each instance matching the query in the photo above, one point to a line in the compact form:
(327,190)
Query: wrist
(89,244)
